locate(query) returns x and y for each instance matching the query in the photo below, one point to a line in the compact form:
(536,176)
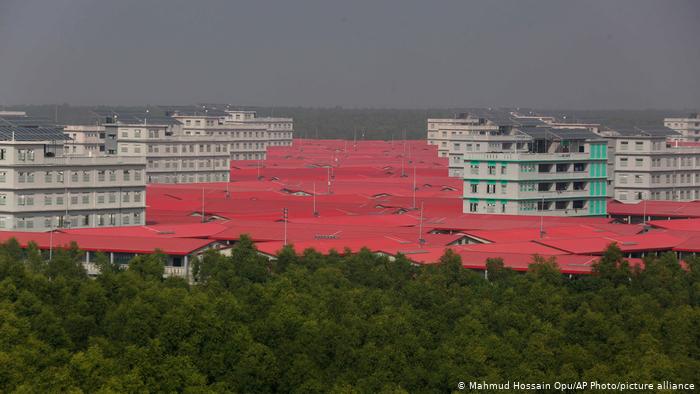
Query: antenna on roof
(421,240)
(315,211)
(285,216)
(414,187)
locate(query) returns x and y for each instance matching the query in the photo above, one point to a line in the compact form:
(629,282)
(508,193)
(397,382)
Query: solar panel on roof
(556,133)
(7,133)
(650,132)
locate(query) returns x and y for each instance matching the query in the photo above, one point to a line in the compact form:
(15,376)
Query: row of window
(657,161)
(638,145)
(561,205)
(660,195)
(136,133)
(75,176)
(188,178)
(192,164)
(490,188)
(683,178)
(75,198)
(108,219)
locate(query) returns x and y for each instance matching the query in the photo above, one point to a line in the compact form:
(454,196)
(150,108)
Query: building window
(74,177)
(473,206)
(638,162)
(475,187)
(112,175)
(638,145)
(86,176)
(491,189)
(100,198)
(86,198)
(127,176)
(47,199)
(623,162)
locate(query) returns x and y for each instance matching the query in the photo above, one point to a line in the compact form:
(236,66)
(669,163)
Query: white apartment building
(42,188)
(85,140)
(489,131)
(689,127)
(193,147)
(249,135)
(469,134)
(556,173)
(649,165)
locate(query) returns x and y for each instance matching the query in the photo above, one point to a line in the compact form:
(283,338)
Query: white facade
(550,184)
(196,148)
(249,135)
(172,157)
(650,168)
(455,137)
(688,127)
(466,134)
(43,189)
(85,140)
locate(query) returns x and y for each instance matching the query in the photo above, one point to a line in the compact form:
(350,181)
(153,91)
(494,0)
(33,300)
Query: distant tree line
(361,123)
(351,323)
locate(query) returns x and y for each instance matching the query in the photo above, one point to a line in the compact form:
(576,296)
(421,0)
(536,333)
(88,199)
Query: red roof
(677,224)
(655,241)
(372,201)
(654,208)
(104,243)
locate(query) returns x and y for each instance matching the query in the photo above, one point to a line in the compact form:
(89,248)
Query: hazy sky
(363,53)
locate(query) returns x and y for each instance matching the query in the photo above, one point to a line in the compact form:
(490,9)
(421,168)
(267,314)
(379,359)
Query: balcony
(530,157)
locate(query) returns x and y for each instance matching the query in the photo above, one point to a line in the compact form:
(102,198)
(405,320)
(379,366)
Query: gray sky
(363,53)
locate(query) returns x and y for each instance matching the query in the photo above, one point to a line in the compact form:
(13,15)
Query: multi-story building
(42,188)
(544,171)
(249,135)
(194,146)
(467,134)
(171,156)
(689,127)
(85,140)
(654,165)
(488,131)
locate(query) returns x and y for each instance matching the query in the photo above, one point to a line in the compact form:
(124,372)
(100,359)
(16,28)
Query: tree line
(349,323)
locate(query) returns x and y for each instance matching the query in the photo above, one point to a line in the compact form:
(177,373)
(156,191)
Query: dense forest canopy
(309,323)
(362,123)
